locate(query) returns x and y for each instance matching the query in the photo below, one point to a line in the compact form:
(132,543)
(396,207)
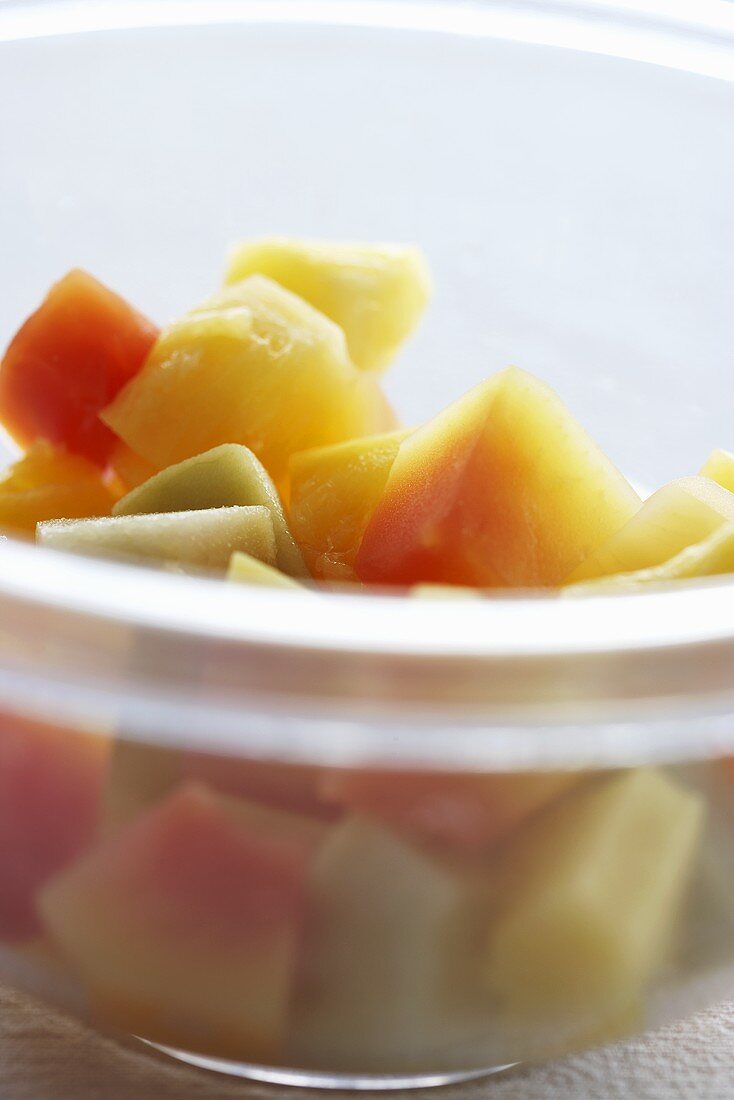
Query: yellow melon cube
(376,293)
(254,365)
(711,557)
(590,895)
(674,518)
(719,466)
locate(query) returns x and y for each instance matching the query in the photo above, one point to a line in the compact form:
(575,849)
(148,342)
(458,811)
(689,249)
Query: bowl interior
(576,208)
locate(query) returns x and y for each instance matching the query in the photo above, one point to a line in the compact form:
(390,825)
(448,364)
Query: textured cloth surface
(44,1056)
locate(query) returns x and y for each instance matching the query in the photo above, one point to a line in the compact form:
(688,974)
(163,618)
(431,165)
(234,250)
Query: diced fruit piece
(206,538)
(254,365)
(385,935)
(376,293)
(226,476)
(22,511)
(720,468)
(708,933)
(462,814)
(711,557)
(68,361)
(43,464)
(185,924)
(590,895)
(51,782)
(295,788)
(130,469)
(244,569)
(140,774)
(333,493)
(49,483)
(675,517)
(502,489)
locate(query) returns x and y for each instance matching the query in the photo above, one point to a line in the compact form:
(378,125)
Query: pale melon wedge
(223,477)
(205,538)
(244,569)
(381,955)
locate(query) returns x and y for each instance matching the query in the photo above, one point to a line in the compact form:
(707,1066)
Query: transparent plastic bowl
(569,170)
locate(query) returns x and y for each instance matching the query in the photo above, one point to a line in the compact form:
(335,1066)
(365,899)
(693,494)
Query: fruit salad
(355,920)
(251,437)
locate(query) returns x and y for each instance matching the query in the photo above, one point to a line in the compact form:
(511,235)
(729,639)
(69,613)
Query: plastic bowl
(544,857)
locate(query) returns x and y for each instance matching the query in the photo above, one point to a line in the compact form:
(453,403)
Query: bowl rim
(532,624)
(677,629)
(697,39)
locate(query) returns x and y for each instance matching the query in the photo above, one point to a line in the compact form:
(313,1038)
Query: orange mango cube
(44,464)
(130,469)
(51,783)
(68,360)
(49,483)
(457,814)
(296,788)
(185,923)
(502,489)
(333,492)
